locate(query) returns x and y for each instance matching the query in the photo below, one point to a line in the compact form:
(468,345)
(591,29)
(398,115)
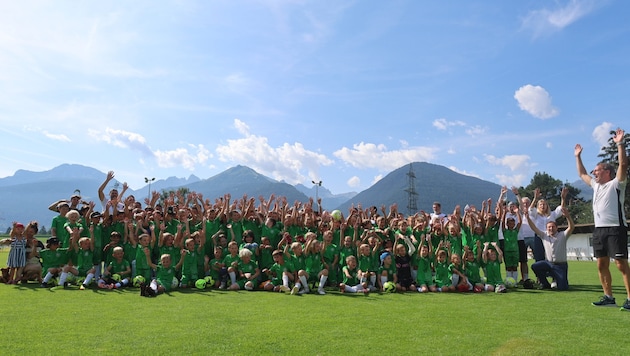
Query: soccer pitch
(57,321)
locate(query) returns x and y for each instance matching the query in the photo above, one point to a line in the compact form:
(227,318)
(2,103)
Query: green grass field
(44,321)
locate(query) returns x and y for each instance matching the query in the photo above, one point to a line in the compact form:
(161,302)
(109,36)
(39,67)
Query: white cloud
(601,133)
(476,130)
(536,101)
(519,165)
(369,155)
(241,127)
(123,139)
(456,170)
(549,145)
(165,158)
(443,124)
(354,182)
(516,180)
(377,178)
(287,162)
(451,151)
(52,136)
(546,21)
(513,162)
(181,157)
(56,137)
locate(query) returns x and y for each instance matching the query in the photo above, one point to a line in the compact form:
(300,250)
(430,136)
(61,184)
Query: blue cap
(384,256)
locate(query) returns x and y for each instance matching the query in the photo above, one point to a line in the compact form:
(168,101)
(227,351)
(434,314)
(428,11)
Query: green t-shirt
(313,263)
(120,268)
(98,243)
(141,258)
(58,223)
(391,272)
(265,260)
(454,267)
(237,227)
(425,272)
(248,267)
(366,263)
(215,267)
(189,266)
(85,261)
(229,259)
(330,252)
(272,233)
(297,263)
(472,271)
(510,240)
(442,274)
(344,252)
(164,276)
(72,226)
(492,233)
(172,251)
(493,273)
(353,280)
(53,258)
(276,272)
(456,245)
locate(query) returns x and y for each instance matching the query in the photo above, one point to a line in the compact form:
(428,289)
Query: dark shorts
(611,242)
(405,282)
(522,251)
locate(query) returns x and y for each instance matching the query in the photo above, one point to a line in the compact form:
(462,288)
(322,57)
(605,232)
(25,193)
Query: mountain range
(27,195)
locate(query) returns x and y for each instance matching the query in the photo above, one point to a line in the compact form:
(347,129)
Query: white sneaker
(321,291)
(554,285)
(294,290)
(303,291)
(284,288)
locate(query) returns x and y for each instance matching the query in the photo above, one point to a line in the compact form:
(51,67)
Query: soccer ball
(175,283)
(510,282)
(138,280)
(336,215)
(389,287)
(200,284)
(116,277)
(209,281)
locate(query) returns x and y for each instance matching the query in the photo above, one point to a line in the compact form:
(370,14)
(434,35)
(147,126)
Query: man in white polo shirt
(555,243)
(610,237)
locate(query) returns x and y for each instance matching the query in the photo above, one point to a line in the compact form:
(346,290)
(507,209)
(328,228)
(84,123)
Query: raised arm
(580,166)
(101,189)
(533,226)
(570,223)
(622,170)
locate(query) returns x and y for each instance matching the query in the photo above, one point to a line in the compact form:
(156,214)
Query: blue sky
(338,91)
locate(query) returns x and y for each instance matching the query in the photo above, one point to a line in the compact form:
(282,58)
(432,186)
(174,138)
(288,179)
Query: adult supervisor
(610,237)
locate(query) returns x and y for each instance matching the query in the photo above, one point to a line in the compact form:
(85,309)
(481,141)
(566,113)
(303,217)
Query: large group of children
(267,245)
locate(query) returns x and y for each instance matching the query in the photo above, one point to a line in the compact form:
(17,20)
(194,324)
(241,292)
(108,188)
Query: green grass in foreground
(57,321)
